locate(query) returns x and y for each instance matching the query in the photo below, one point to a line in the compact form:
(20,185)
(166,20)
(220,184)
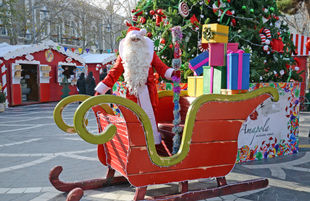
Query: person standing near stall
(81,85)
(90,84)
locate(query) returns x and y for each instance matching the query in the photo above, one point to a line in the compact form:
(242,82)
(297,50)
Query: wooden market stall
(38,73)
(301,57)
(96,62)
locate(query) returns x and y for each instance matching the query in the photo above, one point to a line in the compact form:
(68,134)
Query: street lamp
(109,30)
(100,38)
(44,10)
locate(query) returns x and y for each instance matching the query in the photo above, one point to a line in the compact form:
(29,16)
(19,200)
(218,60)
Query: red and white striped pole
(4,82)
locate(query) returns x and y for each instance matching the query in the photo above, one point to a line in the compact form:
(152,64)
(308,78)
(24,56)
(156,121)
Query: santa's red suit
(147,97)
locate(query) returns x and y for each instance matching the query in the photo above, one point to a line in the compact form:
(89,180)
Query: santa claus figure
(136,60)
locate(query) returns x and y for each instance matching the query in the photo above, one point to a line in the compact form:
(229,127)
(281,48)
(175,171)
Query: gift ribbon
(209,34)
(240,62)
(199,64)
(211,79)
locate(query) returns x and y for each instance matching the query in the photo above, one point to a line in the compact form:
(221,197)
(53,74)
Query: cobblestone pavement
(31,145)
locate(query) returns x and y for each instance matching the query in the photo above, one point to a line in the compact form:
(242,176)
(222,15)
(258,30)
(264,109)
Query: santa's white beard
(136,65)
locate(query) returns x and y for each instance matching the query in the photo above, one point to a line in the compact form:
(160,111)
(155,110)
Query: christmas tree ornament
(219,7)
(252,10)
(247,49)
(243,7)
(193,20)
(266,15)
(127,23)
(152,12)
(271,9)
(171,46)
(183,9)
(149,35)
(233,22)
(282,72)
(207,2)
(162,41)
(203,46)
(265,36)
(296,68)
(134,18)
(142,20)
(157,45)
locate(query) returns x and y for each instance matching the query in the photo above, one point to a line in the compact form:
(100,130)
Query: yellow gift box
(214,33)
(195,85)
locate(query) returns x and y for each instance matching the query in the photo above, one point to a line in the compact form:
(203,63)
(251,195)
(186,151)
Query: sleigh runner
(208,149)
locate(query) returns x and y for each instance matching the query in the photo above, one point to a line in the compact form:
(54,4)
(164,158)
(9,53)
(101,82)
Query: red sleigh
(208,147)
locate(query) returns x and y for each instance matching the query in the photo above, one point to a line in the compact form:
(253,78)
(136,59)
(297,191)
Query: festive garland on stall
(176,64)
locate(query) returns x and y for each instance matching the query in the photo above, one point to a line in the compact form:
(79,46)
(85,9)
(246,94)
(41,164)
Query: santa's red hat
(135,30)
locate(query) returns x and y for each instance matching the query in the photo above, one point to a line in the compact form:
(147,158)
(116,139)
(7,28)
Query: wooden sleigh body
(209,145)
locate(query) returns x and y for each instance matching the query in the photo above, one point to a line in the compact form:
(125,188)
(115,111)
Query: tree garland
(176,64)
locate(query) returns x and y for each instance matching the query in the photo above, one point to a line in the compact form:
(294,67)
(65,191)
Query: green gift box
(214,79)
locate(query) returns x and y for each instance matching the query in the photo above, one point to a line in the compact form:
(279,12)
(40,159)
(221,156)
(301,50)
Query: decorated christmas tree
(254,24)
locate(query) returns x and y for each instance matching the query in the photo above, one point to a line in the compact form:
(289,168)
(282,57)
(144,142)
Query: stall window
(69,72)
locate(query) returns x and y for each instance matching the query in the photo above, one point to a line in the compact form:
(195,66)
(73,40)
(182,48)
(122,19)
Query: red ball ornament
(160,12)
(152,12)
(149,35)
(171,46)
(133,10)
(295,52)
(162,41)
(308,44)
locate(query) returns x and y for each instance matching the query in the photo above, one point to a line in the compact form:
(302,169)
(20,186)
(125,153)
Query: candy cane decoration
(176,64)
(265,36)
(99,67)
(4,83)
(262,38)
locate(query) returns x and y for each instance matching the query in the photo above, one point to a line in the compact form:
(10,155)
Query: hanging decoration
(203,46)
(220,8)
(193,20)
(99,68)
(49,56)
(135,15)
(247,49)
(266,15)
(157,44)
(159,16)
(265,36)
(176,64)
(183,9)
